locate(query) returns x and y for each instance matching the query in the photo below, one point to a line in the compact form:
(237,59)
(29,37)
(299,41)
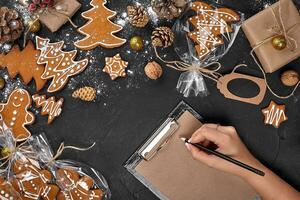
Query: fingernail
(190,140)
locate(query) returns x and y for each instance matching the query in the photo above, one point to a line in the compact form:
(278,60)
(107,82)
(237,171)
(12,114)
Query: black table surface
(128,109)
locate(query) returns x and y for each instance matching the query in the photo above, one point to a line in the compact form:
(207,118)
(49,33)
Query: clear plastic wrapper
(75,180)
(21,173)
(203,35)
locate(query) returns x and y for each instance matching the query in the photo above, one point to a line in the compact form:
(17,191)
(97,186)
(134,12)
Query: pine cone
(138,16)
(162,37)
(85,94)
(168,9)
(11,25)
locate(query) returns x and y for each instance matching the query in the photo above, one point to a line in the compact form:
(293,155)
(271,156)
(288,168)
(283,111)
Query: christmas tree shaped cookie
(25,64)
(99,30)
(209,24)
(49,106)
(59,65)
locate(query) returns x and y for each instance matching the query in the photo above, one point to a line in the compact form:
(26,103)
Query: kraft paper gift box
(262,27)
(61,12)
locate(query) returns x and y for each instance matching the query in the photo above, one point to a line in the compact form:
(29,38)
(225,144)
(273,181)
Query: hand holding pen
(230,147)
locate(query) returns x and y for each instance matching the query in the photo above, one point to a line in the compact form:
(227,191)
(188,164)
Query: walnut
(153,70)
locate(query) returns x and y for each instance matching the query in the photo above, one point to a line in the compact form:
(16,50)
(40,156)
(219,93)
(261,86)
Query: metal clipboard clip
(160,138)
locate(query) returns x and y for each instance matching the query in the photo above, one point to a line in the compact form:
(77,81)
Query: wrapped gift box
(258,30)
(57,16)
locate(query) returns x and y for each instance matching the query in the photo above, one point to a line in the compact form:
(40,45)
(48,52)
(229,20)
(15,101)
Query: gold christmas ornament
(153,70)
(290,78)
(138,16)
(136,43)
(279,42)
(2,83)
(162,37)
(85,94)
(5,152)
(34,25)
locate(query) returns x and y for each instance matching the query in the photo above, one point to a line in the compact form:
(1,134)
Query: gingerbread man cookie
(115,67)
(49,106)
(209,24)
(33,183)
(7,192)
(16,115)
(75,187)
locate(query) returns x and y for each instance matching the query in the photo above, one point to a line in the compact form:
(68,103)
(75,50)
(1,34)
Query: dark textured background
(128,109)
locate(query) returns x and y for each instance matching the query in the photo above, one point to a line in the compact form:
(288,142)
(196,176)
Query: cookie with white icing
(209,24)
(49,106)
(7,192)
(99,30)
(33,183)
(60,65)
(76,187)
(15,114)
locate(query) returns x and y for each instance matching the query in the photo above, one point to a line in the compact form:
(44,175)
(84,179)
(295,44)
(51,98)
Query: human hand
(228,142)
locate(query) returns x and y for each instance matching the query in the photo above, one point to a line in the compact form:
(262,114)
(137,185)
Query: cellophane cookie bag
(74,179)
(203,35)
(21,174)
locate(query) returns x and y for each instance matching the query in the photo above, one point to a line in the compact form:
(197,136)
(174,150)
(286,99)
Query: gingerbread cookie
(274,114)
(209,24)
(99,30)
(75,187)
(49,106)
(16,115)
(59,65)
(32,182)
(25,64)
(7,192)
(115,67)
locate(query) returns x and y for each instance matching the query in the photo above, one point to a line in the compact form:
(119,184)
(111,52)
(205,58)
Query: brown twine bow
(62,147)
(277,29)
(57,10)
(212,74)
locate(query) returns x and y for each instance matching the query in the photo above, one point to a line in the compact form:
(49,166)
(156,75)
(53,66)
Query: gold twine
(278,29)
(212,74)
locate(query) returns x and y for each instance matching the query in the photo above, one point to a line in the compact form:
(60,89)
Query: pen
(220,155)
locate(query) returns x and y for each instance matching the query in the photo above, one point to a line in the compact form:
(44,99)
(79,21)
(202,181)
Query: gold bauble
(290,78)
(279,42)
(136,43)
(5,152)
(34,25)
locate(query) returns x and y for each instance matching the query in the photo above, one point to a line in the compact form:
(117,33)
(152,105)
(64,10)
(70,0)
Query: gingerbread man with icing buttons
(33,183)
(16,115)
(75,187)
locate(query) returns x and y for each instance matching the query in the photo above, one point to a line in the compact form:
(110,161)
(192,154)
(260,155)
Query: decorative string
(278,29)
(212,74)
(62,147)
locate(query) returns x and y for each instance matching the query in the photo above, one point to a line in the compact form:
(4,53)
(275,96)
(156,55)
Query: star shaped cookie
(115,67)
(274,114)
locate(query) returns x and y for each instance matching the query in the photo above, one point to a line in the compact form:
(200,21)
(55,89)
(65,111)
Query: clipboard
(163,164)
